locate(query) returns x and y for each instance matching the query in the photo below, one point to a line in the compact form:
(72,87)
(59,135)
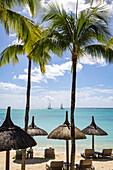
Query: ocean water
(49,119)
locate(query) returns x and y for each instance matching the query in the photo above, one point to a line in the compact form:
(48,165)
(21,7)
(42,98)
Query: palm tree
(37,51)
(82,33)
(20,25)
(24,29)
(8,55)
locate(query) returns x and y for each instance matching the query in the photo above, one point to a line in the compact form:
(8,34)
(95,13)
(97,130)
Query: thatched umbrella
(33,130)
(93,129)
(13,137)
(63,132)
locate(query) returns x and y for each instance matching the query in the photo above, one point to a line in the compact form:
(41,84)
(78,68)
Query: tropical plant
(85,32)
(36,51)
(13,21)
(22,26)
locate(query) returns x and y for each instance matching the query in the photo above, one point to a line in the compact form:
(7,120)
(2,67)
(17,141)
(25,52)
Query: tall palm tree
(37,51)
(82,33)
(23,27)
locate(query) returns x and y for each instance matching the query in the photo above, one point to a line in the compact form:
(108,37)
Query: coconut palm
(37,51)
(22,26)
(11,20)
(82,33)
(98,1)
(7,55)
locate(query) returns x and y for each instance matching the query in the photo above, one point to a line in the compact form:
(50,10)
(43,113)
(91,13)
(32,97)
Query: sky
(94,77)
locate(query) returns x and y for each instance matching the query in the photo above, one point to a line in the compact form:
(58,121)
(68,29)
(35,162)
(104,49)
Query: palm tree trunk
(27,112)
(73,93)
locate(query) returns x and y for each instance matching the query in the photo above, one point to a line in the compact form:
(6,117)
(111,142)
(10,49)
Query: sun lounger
(30,153)
(55,165)
(49,153)
(105,153)
(18,154)
(88,153)
(85,165)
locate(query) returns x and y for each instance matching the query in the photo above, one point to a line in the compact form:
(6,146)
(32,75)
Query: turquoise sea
(49,119)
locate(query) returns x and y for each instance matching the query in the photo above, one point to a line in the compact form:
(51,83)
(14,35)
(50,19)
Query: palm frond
(101,51)
(10,54)
(22,26)
(10,4)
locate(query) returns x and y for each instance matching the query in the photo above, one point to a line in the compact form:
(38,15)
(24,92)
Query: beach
(39,162)
(49,120)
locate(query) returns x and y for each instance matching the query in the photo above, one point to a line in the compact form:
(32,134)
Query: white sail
(61,107)
(49,106)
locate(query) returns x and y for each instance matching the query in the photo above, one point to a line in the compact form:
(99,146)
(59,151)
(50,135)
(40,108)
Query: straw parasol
(13,137)
(63,132)
(93,129)
(33,130)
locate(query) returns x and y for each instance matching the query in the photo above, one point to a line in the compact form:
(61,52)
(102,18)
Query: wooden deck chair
(50,153)
(88,153)
(105,153)
(18,154)
(85,165)
(55,165)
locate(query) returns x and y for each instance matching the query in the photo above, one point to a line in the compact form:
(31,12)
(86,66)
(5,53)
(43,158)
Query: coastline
(39,162)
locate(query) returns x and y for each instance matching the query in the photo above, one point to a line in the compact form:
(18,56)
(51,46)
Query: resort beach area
(39,162)
(51,119)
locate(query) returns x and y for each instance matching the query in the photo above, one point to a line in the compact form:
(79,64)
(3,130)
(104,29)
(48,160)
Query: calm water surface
(50,119)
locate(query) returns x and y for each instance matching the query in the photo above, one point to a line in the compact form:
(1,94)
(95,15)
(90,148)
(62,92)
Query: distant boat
(61,107)
(49,106)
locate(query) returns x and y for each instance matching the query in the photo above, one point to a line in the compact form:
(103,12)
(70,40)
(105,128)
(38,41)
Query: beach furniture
(63,132)
(30,153)
(85,165)
(13,137)
(88,153)
(19,154)
(50,153)
(93,130)
(105,153)
(55,165)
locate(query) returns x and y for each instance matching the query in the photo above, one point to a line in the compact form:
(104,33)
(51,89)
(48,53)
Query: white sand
(39,162)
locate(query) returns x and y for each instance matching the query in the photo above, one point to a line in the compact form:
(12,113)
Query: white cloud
(52,72)
(16,42)
(94,97)
(26,10)
(92,61)
(11,88)
(12,35)
(86,97)
(88,91)
(70,5)
(14,100)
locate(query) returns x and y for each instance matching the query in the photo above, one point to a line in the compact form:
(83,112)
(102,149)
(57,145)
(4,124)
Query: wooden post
(67,154)
(93,142)
(7,160)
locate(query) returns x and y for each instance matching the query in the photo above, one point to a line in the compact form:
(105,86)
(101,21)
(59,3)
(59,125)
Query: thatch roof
(64,131)
(93,129)
(33,130)
(13,137)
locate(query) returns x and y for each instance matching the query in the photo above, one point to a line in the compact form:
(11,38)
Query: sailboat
(61,107)
(49,106)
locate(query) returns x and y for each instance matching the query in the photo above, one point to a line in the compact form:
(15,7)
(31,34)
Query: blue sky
(94,78)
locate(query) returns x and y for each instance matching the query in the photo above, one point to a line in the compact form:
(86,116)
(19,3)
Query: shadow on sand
(105,159)
(34,160)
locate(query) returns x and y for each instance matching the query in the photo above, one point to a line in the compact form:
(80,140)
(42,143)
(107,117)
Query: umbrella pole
(7,159)
(67,154)
(93,142)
